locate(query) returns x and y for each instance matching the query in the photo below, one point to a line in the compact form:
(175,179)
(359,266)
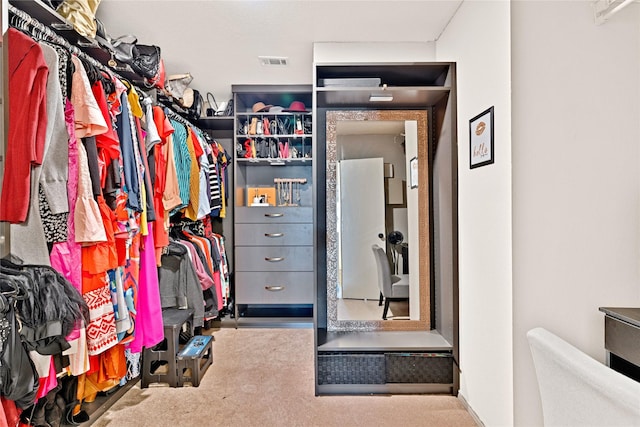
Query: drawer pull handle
(274,288)
(274,259)
(273,234)
(274,215)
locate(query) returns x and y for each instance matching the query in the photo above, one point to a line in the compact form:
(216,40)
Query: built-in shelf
(403,96)
(275,162)
(276,322)
(274,136)
(104,401)
(274,113)
(382,341)
(51,19)
(216,122)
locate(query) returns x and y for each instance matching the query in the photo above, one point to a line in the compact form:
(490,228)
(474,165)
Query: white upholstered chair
(577,390)
(392,288)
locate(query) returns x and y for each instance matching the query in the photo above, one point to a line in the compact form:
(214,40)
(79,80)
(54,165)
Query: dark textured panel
(430,368)
(351,369)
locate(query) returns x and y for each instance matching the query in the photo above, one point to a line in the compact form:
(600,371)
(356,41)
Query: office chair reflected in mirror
(392,288)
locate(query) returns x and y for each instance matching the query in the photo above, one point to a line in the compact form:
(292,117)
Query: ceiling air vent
(273,60)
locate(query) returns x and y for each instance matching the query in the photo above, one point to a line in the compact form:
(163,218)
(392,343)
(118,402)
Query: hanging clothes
(88,118)
(161,156)
(28,238)
(204,206)
(66,256)
(182,160)
(149,330)
(127,147)
(215,200)
(178,281)
(103,176)
(218,163)
(28,73)
(54,206)
(171,198)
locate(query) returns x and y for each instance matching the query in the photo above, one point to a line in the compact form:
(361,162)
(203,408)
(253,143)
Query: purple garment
(66,257)
(205,280)
(149,327)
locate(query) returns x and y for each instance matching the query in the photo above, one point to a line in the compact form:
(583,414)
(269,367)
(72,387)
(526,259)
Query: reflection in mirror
(374,205)
(371,156)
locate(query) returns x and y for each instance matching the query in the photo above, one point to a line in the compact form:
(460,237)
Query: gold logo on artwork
(480,128)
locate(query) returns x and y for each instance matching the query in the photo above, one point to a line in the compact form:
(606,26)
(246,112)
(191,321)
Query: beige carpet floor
(265,377)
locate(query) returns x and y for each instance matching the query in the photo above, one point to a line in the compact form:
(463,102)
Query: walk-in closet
(141,215)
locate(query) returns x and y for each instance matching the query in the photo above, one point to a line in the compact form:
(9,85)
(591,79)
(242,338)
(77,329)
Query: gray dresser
(274,255)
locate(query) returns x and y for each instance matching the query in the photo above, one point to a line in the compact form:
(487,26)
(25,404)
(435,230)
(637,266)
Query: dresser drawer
(622,339)
(274,288)
(274,234)
(274,258)
(273,214)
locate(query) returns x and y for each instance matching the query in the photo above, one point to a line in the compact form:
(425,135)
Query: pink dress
(66,256)
(149,328)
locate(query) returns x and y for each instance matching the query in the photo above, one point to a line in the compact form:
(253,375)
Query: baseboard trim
(473,414)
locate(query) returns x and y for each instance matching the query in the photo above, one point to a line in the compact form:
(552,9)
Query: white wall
(219,41)
(576,180)
(478,40)
(373,52)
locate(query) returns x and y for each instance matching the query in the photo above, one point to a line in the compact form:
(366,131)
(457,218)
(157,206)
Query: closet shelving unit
(220,128)
(273,237)
(373,357)
(222,125)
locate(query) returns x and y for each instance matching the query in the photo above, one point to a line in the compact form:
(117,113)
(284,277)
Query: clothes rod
(38,31)
(288,180)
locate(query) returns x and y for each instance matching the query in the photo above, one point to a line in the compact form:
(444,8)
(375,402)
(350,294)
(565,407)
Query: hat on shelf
(260,106)
(296,107)
(276,109)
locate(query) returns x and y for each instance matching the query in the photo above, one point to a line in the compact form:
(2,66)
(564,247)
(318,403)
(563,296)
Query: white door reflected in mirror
(362,219)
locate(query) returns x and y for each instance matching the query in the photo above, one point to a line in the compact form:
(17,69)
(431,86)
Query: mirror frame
(424,275)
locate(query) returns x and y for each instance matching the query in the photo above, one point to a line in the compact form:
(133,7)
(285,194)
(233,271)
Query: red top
(28,73)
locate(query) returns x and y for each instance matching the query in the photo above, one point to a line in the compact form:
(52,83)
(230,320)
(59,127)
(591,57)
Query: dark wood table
(622,339)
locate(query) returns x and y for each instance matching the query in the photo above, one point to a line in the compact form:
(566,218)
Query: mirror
(377,194)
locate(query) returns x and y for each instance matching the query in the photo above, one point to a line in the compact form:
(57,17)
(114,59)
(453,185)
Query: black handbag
(213,105)
(194,110)
(146,60)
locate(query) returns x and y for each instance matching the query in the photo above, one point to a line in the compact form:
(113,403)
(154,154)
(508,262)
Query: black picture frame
(481,141)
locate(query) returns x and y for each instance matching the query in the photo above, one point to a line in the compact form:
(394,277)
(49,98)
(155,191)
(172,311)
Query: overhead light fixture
(380,97)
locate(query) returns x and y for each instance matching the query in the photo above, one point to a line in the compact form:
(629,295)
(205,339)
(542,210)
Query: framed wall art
(481,150)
